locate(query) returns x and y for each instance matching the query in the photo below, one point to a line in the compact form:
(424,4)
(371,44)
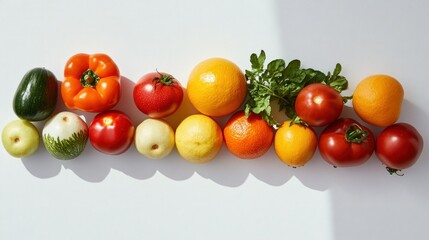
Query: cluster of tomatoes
(345,142)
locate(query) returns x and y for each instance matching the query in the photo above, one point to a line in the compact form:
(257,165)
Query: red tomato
(318,104)
(399,146)
(346,143)
(111,132)
(157,94)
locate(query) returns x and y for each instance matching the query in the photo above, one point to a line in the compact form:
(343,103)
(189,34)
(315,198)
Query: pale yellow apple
(20,138)
(154,138)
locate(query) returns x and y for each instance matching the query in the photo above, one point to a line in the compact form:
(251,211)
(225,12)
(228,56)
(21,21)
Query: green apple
(65,135)
(154,138)
(20,138)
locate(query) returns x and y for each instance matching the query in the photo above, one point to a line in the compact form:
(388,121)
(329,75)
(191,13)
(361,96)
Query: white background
(129,197)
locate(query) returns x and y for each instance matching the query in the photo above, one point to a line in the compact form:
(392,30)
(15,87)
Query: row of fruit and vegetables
(216,88)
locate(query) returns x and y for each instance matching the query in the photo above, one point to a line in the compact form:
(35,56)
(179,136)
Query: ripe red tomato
(318,104)
(158,94)
(346,143)
(111,132)
(399,146)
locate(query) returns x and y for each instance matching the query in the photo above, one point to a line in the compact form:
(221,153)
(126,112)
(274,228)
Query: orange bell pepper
(91,83)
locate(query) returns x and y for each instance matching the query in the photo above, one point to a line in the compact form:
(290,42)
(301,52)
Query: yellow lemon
(198,138)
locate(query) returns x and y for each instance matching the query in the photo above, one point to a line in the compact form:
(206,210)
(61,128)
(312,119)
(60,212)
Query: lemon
(198,138)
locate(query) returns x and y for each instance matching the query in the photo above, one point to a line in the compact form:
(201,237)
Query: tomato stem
(297,120)
(164,79)
(346,98)
(89,78)
(356,134)
(394,171)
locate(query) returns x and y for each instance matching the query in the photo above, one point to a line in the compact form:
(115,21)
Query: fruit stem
(164,79)
(89,78)
(297,120)
(356,134)
(346,98)
(394,171)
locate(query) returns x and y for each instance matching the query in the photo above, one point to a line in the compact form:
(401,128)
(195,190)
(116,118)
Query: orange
(295,144)
(198,138)
(378,99)
(216,87)
(248,138)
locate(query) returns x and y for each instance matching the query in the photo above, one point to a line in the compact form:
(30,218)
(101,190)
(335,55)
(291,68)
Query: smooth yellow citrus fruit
(378,99)
(198,138)
(295,144)
(216,87)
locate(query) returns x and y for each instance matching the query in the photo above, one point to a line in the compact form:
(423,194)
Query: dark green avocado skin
(36,96)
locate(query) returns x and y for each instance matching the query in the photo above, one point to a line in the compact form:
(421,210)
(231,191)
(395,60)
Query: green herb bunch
(282,83)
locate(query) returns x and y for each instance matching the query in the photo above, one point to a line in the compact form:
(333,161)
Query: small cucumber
(36,96)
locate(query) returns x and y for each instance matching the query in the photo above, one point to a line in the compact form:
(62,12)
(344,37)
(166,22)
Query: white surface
(130,197)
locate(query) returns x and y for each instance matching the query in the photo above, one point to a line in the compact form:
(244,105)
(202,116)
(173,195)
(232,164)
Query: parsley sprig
(282,83)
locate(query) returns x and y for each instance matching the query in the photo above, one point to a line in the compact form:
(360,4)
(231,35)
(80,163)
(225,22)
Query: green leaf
(261,58)
(249,73)
(337,81)
(337,70)
(282,83)
(339,84)
(292,67)
(277,65)
(257,61)
(254,61)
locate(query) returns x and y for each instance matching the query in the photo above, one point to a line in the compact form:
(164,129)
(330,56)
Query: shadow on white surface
(371,204)
(93,166)
(226,169)
(366,202)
